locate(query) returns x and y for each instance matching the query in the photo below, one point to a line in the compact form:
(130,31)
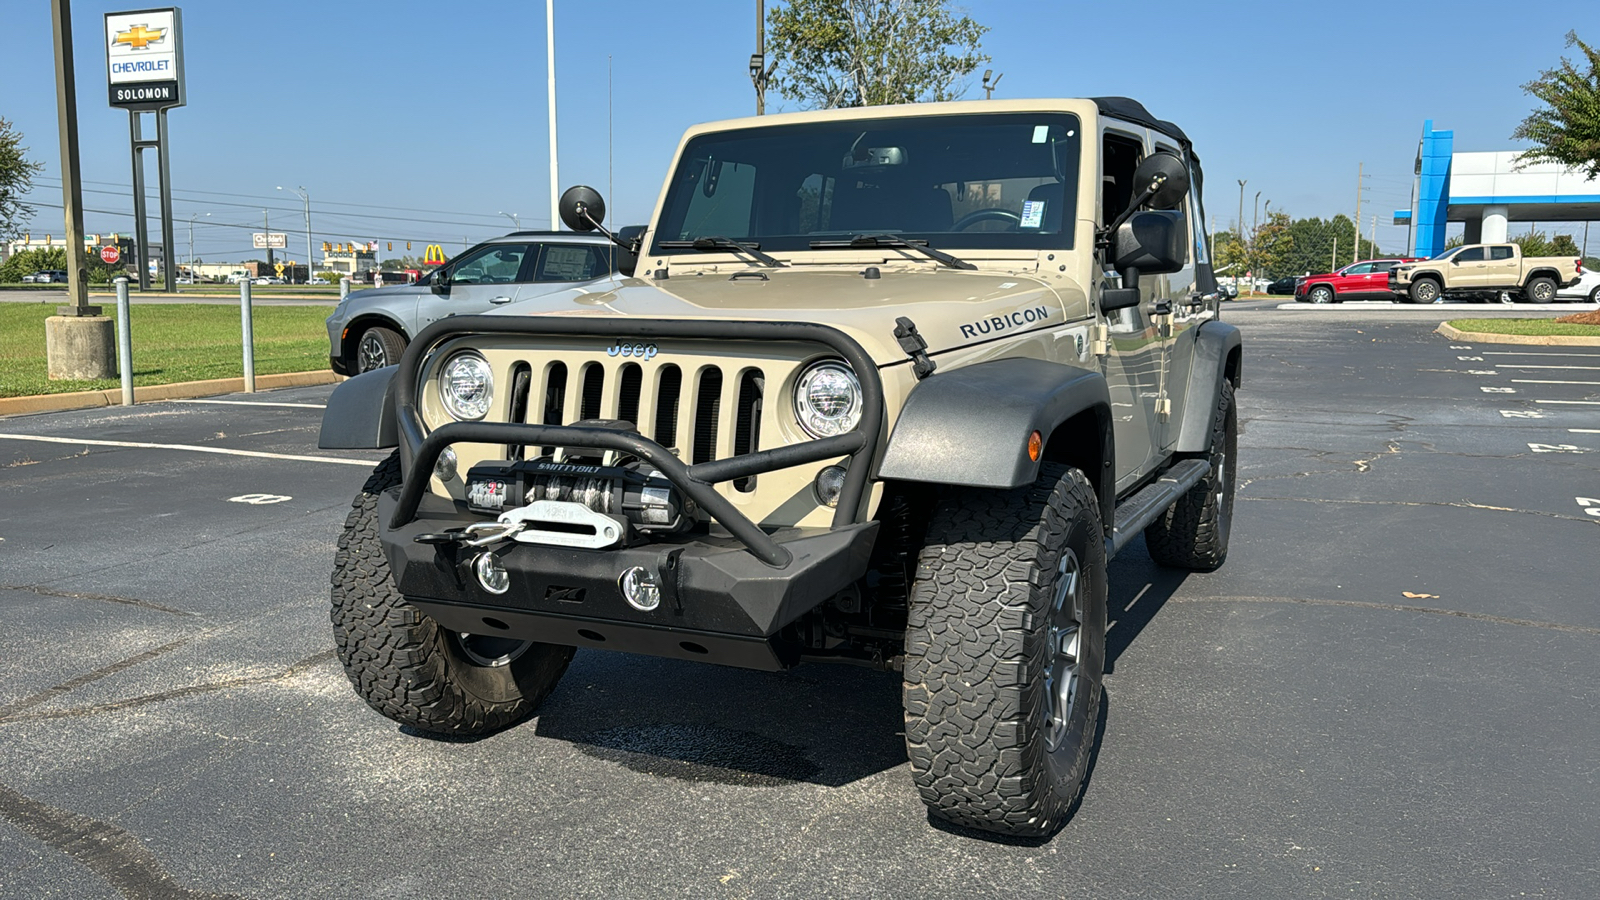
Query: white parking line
(254,403)
(1535,353)
(1522,366)
(1572,402)
(223,451)
(1536,381)
(1584,430)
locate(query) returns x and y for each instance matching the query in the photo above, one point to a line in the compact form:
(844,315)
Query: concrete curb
(1537,340)
(183,390)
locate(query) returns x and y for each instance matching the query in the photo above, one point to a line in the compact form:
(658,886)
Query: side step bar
(1150,501)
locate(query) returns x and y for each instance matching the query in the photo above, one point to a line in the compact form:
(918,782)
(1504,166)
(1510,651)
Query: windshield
(981,181)
(1447,254)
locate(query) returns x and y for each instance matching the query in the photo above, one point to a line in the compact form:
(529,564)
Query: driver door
(483,279)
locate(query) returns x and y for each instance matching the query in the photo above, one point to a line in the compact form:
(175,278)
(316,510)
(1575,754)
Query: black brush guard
(723,600)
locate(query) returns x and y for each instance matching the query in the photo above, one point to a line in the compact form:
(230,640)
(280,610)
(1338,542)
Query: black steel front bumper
(724,599)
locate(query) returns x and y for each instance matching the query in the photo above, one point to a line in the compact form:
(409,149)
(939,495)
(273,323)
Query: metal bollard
(344,289)
(124,341)
(249,337)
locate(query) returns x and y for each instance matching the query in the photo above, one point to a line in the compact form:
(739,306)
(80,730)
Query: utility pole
(191,244)
(1372,234)
(266,226)
(1241,232)
(1357,222)
(71,186)
(550,60)
(758,61)
(305,197)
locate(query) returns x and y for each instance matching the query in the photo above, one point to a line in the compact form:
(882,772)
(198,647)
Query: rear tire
(1193,532)
(378,347)
(1594,295)
(1321,294)
(1540,290)
(408,667)
(1424,290)
(1005,648)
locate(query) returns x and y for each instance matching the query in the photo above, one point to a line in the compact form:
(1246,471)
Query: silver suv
(370,329)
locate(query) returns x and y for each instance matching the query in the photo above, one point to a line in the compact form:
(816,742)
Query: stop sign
(110,255)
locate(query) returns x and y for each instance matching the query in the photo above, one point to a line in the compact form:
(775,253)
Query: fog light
(829,485)
(491,575)
(640,588)
(445,468)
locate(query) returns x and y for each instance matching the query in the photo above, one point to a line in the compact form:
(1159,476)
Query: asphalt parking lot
(1388,691)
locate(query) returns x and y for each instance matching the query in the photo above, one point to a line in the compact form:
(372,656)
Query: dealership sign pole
(144,68)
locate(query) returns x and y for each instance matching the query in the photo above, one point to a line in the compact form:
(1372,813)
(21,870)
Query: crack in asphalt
(1401,607)
(10,710)
(1462,504)
(43,591)
(112,853)
(145,699)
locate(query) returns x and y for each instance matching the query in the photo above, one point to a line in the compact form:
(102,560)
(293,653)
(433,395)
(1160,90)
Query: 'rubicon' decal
(997,324)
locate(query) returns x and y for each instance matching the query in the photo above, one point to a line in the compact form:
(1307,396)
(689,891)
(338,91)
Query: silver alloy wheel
(1061,676)
(490,651)
(1321,294)
(1544,291)
(371,352)
(1426,291)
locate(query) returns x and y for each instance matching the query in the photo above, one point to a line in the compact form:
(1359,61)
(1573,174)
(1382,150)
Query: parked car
(46,276)
(1285,286)
(1481,268)
(31,278)
(1364,280)
(318,281)
(1587,288)
(370,329)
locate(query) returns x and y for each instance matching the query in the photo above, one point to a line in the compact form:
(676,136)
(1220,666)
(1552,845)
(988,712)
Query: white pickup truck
(1485,268)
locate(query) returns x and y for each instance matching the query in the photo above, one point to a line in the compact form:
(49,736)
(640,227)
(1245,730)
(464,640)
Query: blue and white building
(1487,191)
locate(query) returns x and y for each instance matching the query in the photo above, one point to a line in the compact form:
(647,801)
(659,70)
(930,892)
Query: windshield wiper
(708,244)
(870,241)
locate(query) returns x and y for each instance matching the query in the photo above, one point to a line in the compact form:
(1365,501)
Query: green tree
(16,179)
(1536,243)
(1567,129)
(1320,246)
(1272,249)
(833,53)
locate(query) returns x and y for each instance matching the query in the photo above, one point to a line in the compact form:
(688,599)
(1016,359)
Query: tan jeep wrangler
(887,386)
(1485,268)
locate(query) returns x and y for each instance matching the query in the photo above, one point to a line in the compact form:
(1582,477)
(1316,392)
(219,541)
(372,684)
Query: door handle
(499,300)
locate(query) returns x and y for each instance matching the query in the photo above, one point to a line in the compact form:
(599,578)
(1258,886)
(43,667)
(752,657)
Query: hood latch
(905,331)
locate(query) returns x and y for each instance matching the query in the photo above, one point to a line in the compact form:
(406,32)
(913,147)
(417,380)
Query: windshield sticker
(1040,133)
(1032,213)
(997,324)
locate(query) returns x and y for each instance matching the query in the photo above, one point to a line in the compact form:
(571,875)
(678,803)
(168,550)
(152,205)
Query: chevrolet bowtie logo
(138,37)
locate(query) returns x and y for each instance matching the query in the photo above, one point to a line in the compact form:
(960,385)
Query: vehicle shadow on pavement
(819,724)
(1139,589)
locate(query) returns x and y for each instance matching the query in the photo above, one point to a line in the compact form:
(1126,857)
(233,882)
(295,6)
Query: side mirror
(1455,260)
(440,282)
(1154,242)
(582,208)
(629,238)
(1164,177)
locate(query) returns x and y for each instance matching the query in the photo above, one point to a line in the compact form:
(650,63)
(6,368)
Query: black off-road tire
(1424,290)
(981,663)
(376,348)
(1193,532)
(403,663)
(1540,290)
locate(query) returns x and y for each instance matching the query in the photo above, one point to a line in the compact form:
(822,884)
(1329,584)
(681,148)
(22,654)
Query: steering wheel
(987,215)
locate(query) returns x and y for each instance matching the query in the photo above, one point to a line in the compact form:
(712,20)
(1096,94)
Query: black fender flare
(1215,343)
(970,426)
(360,414)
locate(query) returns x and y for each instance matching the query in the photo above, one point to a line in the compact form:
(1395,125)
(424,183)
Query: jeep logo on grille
(642,351)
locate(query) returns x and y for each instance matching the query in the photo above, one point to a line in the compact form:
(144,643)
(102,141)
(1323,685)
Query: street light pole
(1241,231)
(305,196)
(191,243)
(516,222)
(550,58)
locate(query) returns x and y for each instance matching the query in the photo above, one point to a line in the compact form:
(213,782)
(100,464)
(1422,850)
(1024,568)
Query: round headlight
(466,386)
(827,399)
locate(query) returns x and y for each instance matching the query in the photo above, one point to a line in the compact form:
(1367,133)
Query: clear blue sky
(443,105)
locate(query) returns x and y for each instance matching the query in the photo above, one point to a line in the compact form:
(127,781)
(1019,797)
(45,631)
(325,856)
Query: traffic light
(408,245)
(391,245)
(326,247)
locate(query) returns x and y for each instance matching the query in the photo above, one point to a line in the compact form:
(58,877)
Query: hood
(950,307)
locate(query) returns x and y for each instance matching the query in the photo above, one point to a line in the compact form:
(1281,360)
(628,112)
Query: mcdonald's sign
(433,256)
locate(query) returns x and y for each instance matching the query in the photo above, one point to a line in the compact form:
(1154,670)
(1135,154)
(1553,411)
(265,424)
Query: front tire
(1005,649)
(378,347)
(1322,294)
(408,667)
(1540,290)
(1424,290)
(1193,532)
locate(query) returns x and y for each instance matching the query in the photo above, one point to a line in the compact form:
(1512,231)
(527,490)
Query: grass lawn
(1525,326)
(171,342)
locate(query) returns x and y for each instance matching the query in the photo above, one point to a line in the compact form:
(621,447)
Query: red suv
(1365,280)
